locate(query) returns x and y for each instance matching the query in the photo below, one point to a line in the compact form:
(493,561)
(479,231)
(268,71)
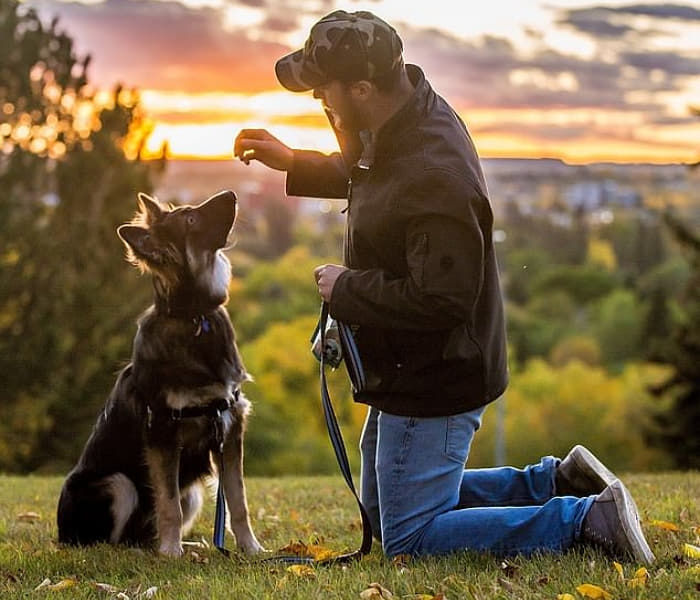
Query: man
(420,285)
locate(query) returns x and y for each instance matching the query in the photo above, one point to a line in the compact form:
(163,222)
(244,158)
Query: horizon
(582,82)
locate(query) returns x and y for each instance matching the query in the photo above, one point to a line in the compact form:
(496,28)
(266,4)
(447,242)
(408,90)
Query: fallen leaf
(64,584)
(315,551)
(593,591)
(375,591)
(43,584)
(29,517)
(565,597)
(665,525)
(640,578)
(302,570)
(691,551)
(401,560)
(618,568)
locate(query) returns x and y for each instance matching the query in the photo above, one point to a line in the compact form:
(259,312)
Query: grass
(320,510)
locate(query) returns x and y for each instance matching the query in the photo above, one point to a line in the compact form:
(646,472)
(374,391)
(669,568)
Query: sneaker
(612,523)
(581,474)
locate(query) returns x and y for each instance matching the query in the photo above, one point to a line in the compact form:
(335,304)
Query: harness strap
(212,410)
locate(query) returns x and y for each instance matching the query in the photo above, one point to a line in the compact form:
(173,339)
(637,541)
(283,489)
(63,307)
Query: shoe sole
(629,518)
(595,470)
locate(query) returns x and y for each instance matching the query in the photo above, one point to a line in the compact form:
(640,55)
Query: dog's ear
(150,208)
(140,244)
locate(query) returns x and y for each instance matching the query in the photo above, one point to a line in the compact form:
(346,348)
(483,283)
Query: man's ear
(150,208)
(140,243)
(362,89)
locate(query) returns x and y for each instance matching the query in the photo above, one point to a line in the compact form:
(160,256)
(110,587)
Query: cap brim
(292,75)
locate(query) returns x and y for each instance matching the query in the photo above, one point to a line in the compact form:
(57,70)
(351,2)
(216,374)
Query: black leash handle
(354,367)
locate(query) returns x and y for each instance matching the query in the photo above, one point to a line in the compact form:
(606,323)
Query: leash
(357,379)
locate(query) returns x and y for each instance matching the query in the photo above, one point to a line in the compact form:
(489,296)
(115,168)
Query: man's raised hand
(260,144)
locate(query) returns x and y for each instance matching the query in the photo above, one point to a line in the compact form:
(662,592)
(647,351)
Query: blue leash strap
(357,378)
(220,517)
(356,373)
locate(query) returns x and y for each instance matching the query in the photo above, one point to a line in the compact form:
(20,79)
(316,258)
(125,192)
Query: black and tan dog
(139,479)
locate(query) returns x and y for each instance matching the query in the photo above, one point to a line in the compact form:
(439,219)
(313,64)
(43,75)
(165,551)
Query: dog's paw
(251,547)
(173,550)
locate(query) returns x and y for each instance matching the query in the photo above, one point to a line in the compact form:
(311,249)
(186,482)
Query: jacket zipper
(349,195)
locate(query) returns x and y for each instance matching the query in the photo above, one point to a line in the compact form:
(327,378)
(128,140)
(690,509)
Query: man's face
(338,100)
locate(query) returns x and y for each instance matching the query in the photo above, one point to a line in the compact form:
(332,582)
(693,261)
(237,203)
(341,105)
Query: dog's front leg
(164,467)
(234,489)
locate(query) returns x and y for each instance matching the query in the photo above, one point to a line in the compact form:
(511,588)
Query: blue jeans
(422,501)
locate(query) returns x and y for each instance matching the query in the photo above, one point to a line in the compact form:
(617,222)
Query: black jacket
(423,285)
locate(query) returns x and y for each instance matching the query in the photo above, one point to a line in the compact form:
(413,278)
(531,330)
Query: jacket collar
(408,115)
(353,147)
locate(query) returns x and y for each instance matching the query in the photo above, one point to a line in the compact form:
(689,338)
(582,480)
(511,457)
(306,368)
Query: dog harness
(214,411)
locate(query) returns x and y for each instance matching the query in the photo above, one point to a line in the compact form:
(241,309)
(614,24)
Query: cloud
(596,22)
(608,22)
(166,45)
(661,11)
(672,63)
(178,46)
(491,72)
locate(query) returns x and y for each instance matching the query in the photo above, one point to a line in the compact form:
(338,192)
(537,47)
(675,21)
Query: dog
(176,414)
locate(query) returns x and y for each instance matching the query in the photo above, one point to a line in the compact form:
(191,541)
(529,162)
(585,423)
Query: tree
(67,298)
(679,425)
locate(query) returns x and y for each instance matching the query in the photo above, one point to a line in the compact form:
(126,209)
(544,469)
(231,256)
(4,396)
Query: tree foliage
(67,298)
(679,425)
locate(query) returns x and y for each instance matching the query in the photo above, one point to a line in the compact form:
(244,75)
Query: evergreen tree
(679,426)
(67,298)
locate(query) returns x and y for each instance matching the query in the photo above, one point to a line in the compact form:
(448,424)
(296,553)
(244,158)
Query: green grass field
(320,510)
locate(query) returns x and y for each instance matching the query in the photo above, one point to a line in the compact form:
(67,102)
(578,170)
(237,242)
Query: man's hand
(260,144)
(326,276)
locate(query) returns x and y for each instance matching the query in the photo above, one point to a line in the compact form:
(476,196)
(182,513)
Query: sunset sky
(570,79)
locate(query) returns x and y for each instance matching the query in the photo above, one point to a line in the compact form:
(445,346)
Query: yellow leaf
(302,570)
(618,568)
(593,591)
(43,584)
(375,591)
(315,551)
(640,578)
(565,597)
(64,584)
(691,551)
(665,525)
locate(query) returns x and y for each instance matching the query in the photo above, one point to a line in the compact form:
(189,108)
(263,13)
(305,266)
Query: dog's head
(181,246)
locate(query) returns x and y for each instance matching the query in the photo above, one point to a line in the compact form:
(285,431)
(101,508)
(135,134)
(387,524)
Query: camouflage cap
(347,46)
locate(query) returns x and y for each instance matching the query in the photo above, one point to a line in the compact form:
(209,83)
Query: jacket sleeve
(317,175)
(446,240)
